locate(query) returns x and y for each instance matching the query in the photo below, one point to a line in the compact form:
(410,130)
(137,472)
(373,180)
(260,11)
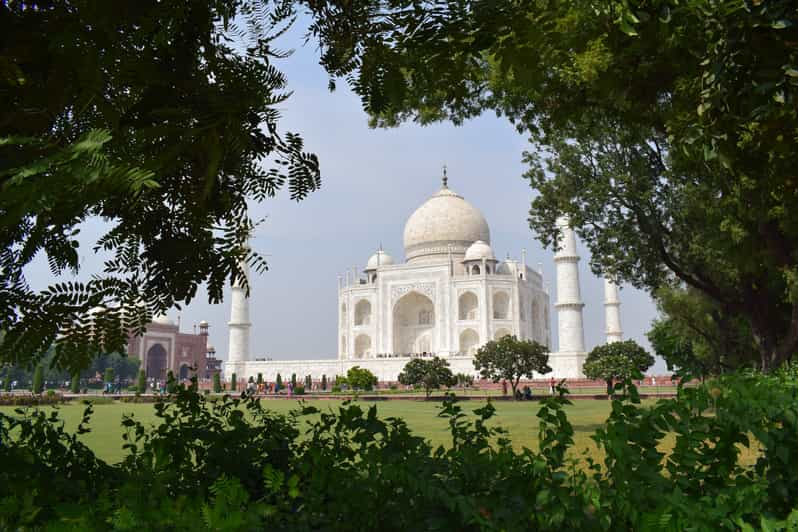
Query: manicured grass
(518,418)
(422,417)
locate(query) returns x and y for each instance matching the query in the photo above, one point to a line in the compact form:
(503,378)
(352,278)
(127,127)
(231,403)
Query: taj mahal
(450,296)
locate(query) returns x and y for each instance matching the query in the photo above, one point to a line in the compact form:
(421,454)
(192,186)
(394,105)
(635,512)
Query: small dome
(479,250)
(162,319)
(380,258)
(210,348)
(203,323)
(445,221)
(509,267)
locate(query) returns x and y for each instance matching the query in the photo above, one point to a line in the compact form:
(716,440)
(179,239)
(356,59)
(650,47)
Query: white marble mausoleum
(450,296)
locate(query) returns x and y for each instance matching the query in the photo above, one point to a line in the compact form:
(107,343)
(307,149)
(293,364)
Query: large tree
(509,358)
(617,361)
(158,119)
(695,337)
(667,131)
(431,374)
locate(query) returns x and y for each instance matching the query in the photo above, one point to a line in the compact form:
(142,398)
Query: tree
(251,380)
(278,383)
(171,383)
(217,383)
(233,382)
(7,382)
(360,378)
(293,381)
(38,380)
(464,380)
(108,377)
(260,378)
(155,118)
(648,121)
(429,373)
(617,361)
(324,382)
(141,384)
(74,382)
(509,358)
(695,336)
(308,382)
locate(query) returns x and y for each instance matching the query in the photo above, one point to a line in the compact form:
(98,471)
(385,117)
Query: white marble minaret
(612,312)
(239,323)
(569,298)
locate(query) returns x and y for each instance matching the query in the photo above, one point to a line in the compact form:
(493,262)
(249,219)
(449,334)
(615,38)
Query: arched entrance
(184,372)
(362,346)
(413,323)
(469,339)
(156,362)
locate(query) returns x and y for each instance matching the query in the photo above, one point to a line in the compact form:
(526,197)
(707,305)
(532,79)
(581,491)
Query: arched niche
(184,373)
(501,333)
(469,340)
(413,322)
(362,346)
(501,305)
(468,306)
(343,345)
(343,314)
(363,312)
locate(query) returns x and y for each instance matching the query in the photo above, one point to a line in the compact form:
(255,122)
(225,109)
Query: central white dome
(444,221)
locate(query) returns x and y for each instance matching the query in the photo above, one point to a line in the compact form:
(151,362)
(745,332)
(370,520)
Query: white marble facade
(449,297)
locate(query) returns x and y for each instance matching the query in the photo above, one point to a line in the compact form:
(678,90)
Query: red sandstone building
(163,347)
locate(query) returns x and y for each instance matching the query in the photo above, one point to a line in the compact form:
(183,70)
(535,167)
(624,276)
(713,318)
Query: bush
(249,468)
(74,383)
(324,382)
(141,384)
(217,383)
(336,388)
(171,383)
(299,390)
(38,380)
(233,382)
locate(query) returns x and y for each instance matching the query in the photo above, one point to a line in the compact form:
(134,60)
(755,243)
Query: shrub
(336,388)
(171,383)
(109,375)
(260,378)
(217,383)
(278,383)
(74,383)
(324,382)
(233,382)
(248,468)
(141,384)
(293,380)
(38,380)
(299,390)
(7,383)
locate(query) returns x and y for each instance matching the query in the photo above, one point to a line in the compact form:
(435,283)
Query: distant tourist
(551,386)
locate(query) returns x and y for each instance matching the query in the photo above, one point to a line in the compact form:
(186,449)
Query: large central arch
(413,324)
(156,362)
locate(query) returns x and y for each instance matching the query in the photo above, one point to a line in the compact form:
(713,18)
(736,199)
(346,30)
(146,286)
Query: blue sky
(372,181)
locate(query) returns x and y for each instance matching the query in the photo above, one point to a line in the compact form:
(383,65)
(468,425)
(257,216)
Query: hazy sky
(372,180)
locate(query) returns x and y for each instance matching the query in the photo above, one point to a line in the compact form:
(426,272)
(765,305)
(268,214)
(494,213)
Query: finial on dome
(445,178)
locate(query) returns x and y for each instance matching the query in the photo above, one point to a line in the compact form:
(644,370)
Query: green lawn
(518,418)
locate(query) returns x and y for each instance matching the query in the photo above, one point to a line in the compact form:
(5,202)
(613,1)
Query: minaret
(569,298)
(612,311)
(239,322)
